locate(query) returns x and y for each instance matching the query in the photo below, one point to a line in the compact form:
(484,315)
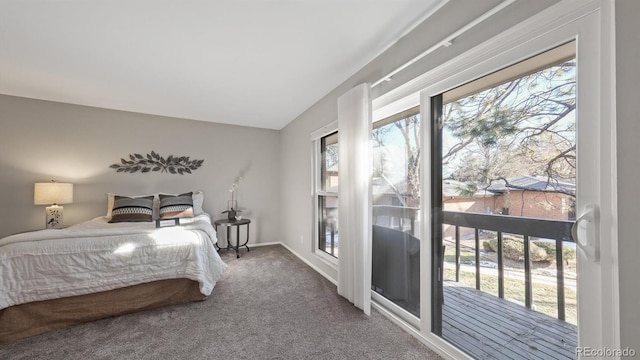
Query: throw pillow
(127,209)
(176,206)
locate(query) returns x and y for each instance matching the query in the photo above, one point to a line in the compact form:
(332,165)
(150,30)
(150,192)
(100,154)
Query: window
(326,191)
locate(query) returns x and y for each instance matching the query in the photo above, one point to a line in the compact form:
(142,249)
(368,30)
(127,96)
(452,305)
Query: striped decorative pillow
(126,209)
(176,206)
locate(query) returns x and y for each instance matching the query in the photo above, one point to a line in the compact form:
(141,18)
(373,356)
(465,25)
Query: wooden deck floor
(488,327)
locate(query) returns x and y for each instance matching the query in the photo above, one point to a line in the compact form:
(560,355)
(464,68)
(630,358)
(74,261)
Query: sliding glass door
(502,198)
(504,194)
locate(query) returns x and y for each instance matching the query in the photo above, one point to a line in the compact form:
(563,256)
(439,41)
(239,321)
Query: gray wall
(41,140)
(628,133)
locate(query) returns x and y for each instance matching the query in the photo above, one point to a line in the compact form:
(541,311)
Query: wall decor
(154,162)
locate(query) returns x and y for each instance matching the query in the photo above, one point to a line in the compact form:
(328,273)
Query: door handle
(586,234)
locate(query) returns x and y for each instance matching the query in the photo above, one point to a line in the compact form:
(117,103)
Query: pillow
(111,197)
(198,200)
(176,206)
(110,200)
(127,209)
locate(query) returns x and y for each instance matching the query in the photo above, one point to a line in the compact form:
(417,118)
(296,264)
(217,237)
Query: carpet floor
(268,305)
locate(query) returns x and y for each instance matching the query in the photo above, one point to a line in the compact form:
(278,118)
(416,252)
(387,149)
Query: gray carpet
(268,305)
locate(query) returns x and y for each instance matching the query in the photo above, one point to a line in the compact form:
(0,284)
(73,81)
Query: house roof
(459,189)
(454,188)
(531,183)
(380,186)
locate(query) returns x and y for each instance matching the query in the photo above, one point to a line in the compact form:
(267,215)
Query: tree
(524,126)
(403,135)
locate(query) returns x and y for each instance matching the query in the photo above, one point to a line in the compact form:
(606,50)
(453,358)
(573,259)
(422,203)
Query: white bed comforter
(97,256)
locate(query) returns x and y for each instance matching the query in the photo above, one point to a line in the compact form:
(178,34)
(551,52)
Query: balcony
(492,326)
(485,321)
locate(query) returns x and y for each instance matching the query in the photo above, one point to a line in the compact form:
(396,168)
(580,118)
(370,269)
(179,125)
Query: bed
(50,279)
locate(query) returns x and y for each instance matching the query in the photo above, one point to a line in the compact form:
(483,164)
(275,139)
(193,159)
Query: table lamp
(53,194)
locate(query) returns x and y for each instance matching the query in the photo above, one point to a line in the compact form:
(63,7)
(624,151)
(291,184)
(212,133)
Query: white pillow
(198,200)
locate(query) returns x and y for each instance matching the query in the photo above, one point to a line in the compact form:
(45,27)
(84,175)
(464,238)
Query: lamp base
(54,217)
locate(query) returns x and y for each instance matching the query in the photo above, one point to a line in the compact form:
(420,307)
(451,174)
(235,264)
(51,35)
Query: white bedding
(97,256)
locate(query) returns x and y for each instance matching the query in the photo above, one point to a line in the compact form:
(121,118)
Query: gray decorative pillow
(176,206)
(126,209)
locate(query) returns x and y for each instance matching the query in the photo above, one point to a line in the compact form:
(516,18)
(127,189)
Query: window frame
(317,191)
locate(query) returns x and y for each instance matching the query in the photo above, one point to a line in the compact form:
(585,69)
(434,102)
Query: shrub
(568,253)
(486,245)
(490,245)
(549,247)
(514,249)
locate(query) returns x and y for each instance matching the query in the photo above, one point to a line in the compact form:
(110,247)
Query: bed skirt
(20,321)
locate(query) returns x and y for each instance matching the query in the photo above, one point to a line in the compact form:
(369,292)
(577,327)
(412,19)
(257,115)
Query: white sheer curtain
(354,196)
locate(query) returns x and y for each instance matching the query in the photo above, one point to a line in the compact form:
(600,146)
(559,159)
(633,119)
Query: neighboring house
(387,194)
(394,206)
(527,196)
(534,196)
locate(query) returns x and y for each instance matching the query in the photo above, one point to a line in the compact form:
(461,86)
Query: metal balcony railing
(558,230)
(396,217)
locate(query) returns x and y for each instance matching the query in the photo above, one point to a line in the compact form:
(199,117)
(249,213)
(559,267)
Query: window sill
(327,259)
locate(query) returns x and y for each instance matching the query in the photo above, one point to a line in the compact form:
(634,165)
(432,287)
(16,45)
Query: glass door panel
(503,198)
(396,210)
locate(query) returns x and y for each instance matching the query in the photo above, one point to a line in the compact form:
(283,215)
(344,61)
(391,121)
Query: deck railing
(404,219)
(396,217)
(328,225)
(558,230)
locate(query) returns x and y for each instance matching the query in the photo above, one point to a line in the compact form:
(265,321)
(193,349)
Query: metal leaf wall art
(154,162)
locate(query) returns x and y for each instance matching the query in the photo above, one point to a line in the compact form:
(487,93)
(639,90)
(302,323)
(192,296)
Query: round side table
(229,224)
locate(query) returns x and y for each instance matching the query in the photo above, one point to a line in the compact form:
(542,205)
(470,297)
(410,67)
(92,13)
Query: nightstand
(229,224)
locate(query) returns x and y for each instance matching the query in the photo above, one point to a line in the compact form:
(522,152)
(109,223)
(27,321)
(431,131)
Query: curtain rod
(447,41)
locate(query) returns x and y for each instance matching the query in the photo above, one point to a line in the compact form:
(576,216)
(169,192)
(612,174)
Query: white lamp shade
(52,193)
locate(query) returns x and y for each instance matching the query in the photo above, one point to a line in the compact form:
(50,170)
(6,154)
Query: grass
(544,295)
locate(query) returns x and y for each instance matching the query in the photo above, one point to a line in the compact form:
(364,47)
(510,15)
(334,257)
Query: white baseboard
(266,244)
(318,270)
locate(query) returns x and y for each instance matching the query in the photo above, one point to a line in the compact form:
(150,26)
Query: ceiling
(257,63)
